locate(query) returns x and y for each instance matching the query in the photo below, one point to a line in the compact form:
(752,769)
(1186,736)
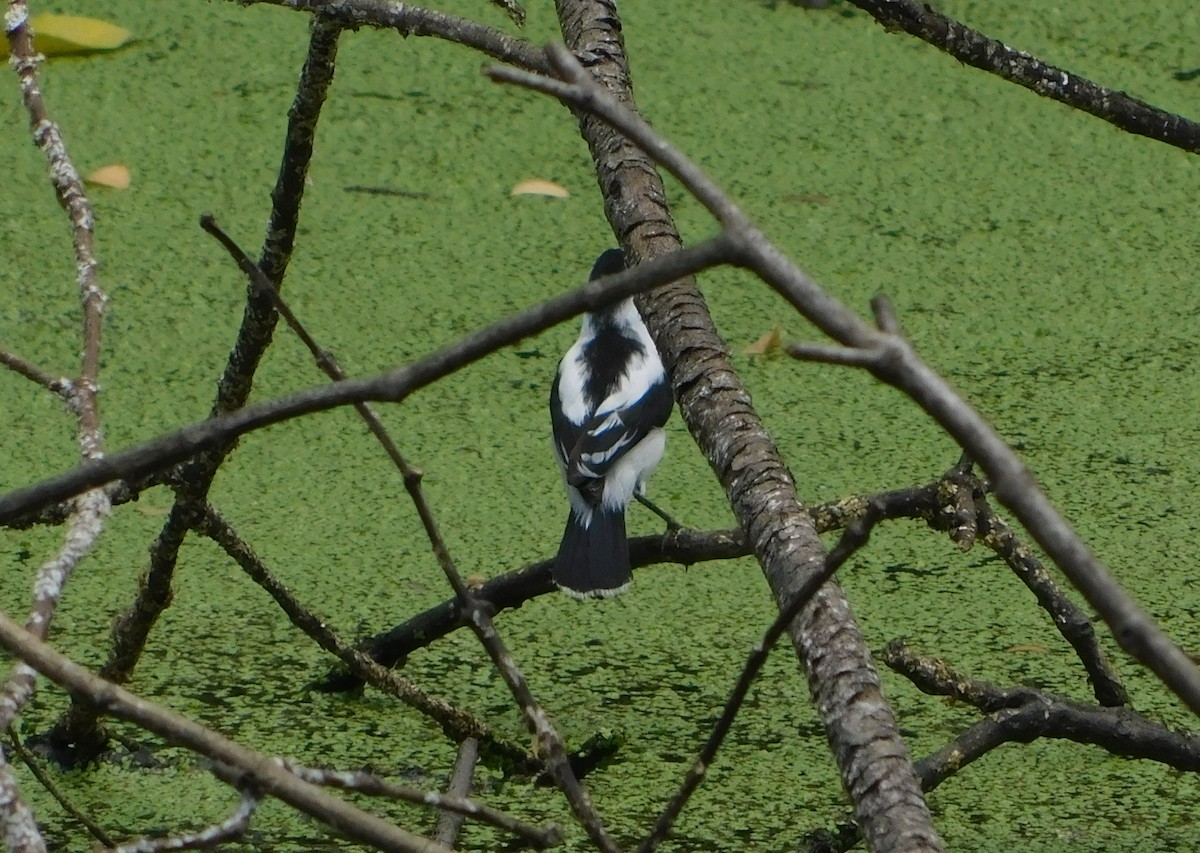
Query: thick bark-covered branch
(682,546)
(720,416)
(891,359)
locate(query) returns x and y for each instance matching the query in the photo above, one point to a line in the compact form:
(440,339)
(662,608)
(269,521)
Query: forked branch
(891,359)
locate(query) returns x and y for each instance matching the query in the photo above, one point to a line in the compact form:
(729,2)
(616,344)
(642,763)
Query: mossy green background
(1041,259)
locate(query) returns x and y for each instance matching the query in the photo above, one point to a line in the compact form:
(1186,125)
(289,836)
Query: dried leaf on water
(114,175)
(768,344)
(538,186)
(57,35)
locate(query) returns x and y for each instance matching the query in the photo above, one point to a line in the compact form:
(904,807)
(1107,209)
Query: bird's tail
(593,561)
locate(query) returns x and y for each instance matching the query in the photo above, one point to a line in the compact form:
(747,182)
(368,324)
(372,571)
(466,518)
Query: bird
(608,404)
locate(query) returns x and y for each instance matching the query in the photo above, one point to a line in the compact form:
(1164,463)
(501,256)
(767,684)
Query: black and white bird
(607,408)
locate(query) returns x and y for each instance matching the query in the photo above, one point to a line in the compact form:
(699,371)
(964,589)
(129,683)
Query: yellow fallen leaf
(55,35)
(768,344)
(115,176)
(537,186)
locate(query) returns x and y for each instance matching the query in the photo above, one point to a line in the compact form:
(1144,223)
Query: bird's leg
(672,524)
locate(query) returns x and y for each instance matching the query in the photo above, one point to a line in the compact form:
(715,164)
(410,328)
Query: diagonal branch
(980,51)
(78,733)
(894,361)
(455,722)
(549,743)
(59,385)
(265,773)
(86,520)
(717,409)
(412,20)
(394,386)
(853,539)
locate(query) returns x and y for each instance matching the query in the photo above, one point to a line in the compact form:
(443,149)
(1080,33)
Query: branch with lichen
(85,521)
(79,735)
(412,20)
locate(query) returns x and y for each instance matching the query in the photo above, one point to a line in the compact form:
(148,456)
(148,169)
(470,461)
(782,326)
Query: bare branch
(86,520)
(257,769)
(978,50)
(55,385)
(514,10)
(372,785)
(394,386)
(411,20)
(44,779)
(230,829)
(118,493)
(828,354)
(1023,714)
(450,822)
(1074,625)
(686,547)
(903,368)
(853,539)
(455,722)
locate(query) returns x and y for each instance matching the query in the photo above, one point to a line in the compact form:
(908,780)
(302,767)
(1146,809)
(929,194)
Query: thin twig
(59,385)
(412,20)
(44,779)
(550,746)
(1074,625)
(230,829)
(854,538)
(451,803)
(455,722)
(450,821)
(967,516)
